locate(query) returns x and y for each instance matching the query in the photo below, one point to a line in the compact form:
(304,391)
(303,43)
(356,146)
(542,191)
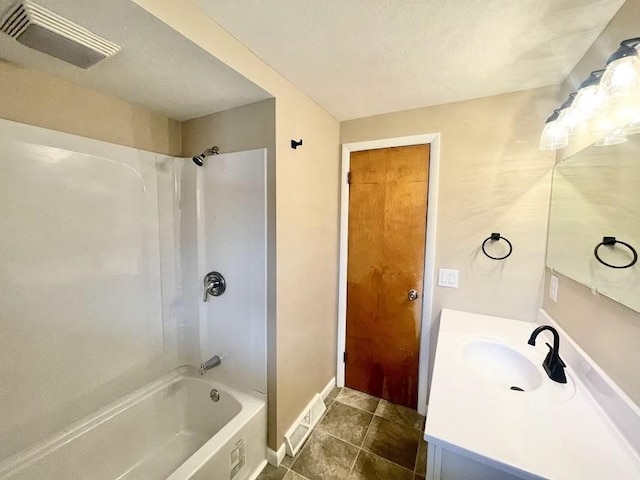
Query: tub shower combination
(171,428)
(137,377)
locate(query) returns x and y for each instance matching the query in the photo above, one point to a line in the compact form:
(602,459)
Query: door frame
(433,139)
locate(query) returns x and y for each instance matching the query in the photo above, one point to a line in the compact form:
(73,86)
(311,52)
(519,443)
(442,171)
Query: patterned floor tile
(399,414)
(325,458)
(334,393)
(393,442)
(357,399)
(421,460)
(372,467)
(287,461)
(272,473)
(291,475)
(347,423)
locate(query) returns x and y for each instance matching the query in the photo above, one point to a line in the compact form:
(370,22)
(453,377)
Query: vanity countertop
(550,430)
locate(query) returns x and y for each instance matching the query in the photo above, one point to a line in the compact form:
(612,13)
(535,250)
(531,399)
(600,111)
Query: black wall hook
(295,144)
(494,237)
(611,242)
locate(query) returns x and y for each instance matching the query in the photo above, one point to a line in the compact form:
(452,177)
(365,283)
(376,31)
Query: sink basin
(502,365)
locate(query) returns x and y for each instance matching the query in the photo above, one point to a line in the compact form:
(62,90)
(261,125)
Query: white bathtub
(170,429)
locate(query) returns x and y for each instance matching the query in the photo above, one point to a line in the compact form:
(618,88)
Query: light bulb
(621,76)
(570,118)
(554,135)
(588,100)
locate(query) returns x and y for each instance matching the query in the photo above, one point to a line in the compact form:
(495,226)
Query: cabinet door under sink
(443,464)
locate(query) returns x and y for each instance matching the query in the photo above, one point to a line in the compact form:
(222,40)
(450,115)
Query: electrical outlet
(553,288)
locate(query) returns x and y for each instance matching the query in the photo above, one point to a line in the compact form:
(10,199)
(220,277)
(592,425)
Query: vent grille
(303,426)
(47,32)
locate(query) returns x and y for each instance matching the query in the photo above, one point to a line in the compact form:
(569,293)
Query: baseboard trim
(275,457)
(327,390)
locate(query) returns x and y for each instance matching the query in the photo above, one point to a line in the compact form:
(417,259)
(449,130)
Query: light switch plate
(553,288)
(448,278)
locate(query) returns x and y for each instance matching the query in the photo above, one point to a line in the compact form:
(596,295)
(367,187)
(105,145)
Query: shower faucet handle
(207,289)
(214,285)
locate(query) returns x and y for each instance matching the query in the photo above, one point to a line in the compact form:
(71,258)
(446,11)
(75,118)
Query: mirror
(596,194)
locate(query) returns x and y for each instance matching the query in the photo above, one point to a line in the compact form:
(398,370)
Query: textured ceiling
(363,57)
(157,67)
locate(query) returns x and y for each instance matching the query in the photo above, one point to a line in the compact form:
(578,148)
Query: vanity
(494,413)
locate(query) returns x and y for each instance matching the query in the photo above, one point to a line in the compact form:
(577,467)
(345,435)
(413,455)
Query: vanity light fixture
(623,68)
(555,135)
(570,117)
(590,96)
(611,95)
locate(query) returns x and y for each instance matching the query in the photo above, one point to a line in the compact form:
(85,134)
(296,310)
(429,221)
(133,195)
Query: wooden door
(387,227)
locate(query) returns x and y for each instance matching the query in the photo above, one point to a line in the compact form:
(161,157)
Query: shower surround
(102,252)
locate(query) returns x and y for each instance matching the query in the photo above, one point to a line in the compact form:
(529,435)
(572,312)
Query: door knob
(412,294)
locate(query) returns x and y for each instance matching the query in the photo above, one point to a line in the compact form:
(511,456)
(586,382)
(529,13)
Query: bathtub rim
(249,406)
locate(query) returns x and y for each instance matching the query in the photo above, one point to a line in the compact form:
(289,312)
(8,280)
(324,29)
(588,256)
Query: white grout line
(415,464)
(363,440)
(421,429)
(360,448)
(353,406)
(373,453)
(387,460)
(341,439)
(354,463)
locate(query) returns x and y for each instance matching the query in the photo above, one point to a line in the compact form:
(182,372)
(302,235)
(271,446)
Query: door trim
(429,259)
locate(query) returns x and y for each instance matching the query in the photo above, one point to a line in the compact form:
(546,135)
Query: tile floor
(360,437)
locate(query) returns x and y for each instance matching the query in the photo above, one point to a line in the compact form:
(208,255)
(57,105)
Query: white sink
(502,365)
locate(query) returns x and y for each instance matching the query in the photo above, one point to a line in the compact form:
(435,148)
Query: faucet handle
(558,359)
(214,285)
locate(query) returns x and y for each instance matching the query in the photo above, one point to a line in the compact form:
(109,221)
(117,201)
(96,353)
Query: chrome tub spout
(209,364)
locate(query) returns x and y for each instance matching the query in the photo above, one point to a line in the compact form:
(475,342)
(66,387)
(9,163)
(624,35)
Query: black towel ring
(496,237)
(611,241)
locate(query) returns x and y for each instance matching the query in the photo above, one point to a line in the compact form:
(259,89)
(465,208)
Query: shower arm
(199,159)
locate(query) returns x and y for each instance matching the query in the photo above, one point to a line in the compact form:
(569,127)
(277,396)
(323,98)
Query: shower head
(199,160)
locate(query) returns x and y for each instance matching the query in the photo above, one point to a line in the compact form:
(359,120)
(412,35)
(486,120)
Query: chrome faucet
(553,364)
(209,364)
(214,285)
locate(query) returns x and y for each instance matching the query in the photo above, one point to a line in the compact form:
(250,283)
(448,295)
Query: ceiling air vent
(43,30)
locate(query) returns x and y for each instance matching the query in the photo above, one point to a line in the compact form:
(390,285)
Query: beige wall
(607,331)
(306,226)
(37,98)
(493,178)
(242,128)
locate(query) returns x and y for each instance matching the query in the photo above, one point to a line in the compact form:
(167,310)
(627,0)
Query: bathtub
(169,429)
